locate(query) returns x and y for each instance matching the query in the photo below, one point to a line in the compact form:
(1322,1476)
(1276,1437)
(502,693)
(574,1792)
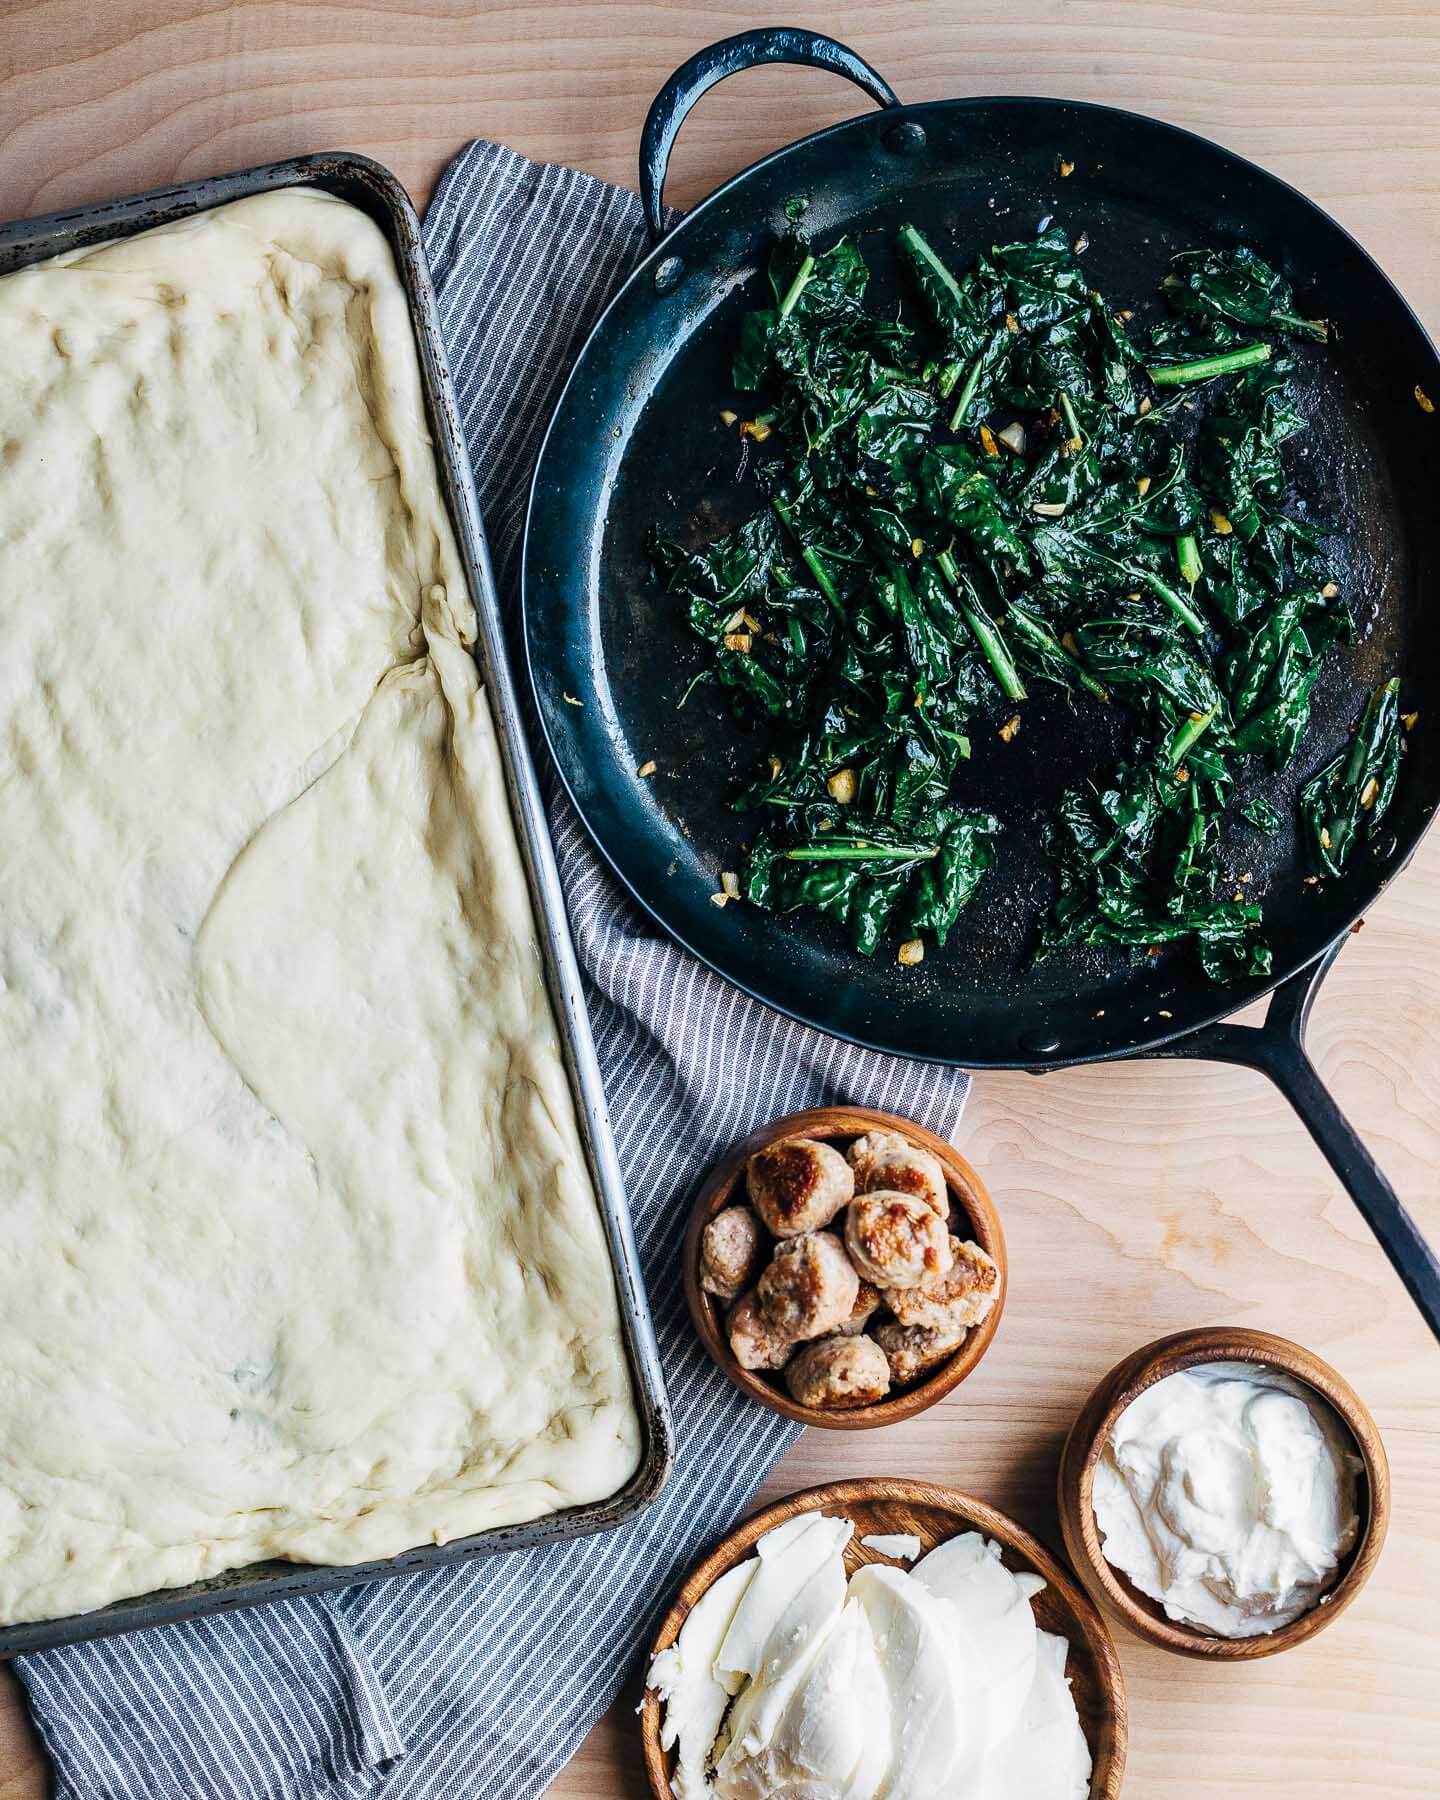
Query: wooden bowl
(1088,1435)
(725,1186)
(878,1505)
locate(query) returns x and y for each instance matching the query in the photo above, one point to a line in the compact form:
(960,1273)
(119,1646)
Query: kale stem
(797,287)
(948,376)
(1036,634)
(863,853)
(1316,329)
(1181,607)
(811,558)
(919,247)
(967,394)
(1187,554)
(1072,424)
(987,635)
(1189,735)
(1182,374)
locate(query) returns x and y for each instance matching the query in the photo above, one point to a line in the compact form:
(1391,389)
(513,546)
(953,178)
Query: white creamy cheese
(1228,1493)
(693,1696)
(903,1686)
(902,1545)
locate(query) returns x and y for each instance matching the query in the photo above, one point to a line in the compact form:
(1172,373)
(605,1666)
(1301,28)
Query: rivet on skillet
(905,139)
(1039,1043)
(668,273)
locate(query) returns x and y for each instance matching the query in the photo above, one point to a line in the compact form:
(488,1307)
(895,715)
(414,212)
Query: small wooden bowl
(878,1505)
(829,1123)
(1087,1439)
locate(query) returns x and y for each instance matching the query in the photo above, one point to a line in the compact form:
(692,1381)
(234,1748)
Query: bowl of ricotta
(882,1638)
(1225,1491)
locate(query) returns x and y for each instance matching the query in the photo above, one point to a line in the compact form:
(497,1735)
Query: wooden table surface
(1136,1199)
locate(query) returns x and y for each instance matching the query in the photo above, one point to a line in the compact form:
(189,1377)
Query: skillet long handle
(777,43)
(1277,1049)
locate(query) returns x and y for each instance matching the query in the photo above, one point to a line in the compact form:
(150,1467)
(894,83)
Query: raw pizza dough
(301,1255)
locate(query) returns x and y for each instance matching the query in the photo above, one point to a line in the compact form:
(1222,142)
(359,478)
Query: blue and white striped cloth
(477,1683)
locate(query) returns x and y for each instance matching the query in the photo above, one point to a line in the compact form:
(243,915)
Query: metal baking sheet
(375,191)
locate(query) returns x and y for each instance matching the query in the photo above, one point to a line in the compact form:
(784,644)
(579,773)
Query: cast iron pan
(637,440)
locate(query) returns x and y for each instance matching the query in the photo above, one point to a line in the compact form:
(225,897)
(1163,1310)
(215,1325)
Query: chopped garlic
(912,951)
(1220,522)
(738,640)
(842,786)
(727,417)
(987,441)
(1144,485)
(730,881)
(645,769)
(1009,729)
(1423,401)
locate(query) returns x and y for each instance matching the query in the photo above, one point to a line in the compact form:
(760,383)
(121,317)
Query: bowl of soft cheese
(1225,1491)
(883,1638)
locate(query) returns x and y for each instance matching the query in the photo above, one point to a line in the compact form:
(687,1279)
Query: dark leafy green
(1011,494)
(1350,796)
(1238,287)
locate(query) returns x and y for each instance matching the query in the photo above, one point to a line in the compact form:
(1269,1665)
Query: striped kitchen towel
(480,1681)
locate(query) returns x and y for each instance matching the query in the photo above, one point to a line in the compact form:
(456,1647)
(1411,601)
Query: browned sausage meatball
(809,1288)
(964,1295)
(754,1343)
(895,1240)
(731,1249)
(914,1350)
(839,1373)
(798,1185)
(883,1160)
(867,1302)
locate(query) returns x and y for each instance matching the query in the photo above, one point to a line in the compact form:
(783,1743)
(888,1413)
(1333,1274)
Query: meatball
(809,1288)
(914,1350)
(895,1240)
(884,1161)
(731,1249)
(798,1185)
(839,1373)
(754,1344)
(964,1295)
(867,1302)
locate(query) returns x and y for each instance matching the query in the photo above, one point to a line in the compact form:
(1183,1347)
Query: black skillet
(637,440)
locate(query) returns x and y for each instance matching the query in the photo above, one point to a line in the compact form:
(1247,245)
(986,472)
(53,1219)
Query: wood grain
(1137,1199)
(878,1506)
(1177,1351)
(840,1126)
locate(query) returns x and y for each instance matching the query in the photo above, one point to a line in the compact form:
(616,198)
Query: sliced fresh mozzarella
(993,1617)
(693,1700)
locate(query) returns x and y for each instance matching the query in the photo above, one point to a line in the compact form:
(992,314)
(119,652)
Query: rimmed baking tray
(375,191)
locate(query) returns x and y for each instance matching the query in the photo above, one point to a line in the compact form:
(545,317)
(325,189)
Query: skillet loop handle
(780,43)
(1277,1049)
